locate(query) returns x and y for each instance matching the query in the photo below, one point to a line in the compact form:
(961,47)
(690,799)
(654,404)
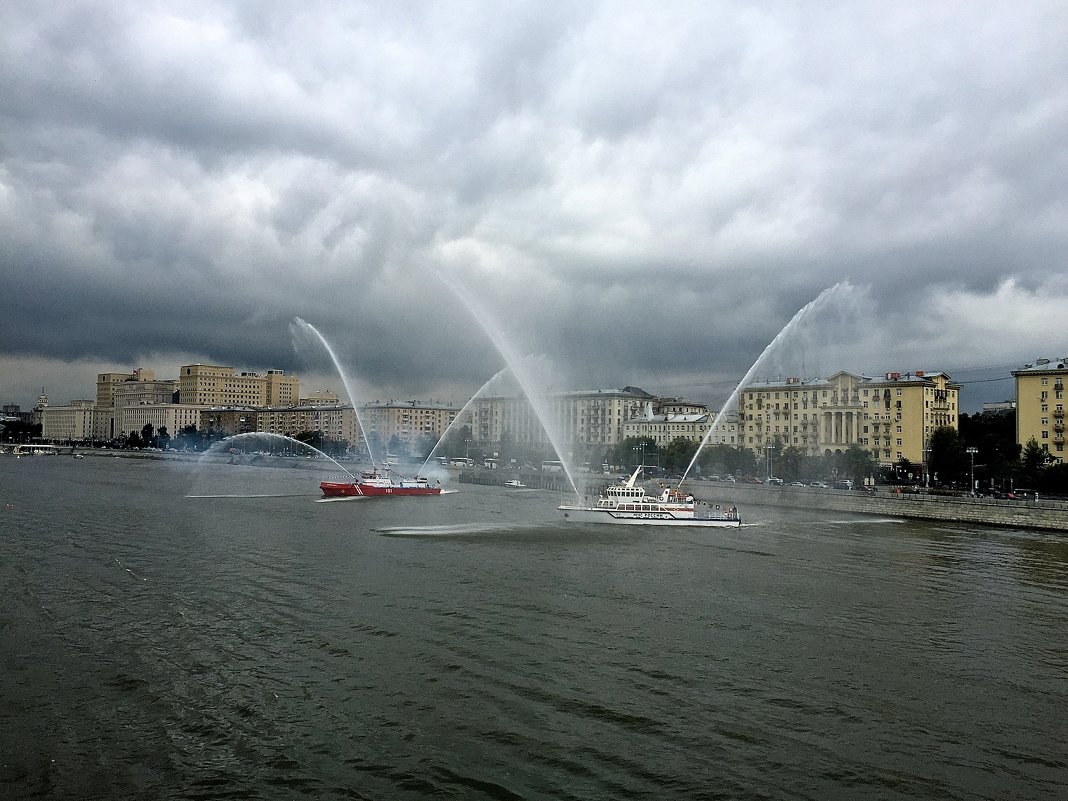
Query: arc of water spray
(511,358)
(344,380)
(459,416)
(786,330)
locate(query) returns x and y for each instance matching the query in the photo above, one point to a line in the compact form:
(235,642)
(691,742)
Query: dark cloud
(639,193)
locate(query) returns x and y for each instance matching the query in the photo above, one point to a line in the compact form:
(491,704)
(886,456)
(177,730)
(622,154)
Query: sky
(639,193)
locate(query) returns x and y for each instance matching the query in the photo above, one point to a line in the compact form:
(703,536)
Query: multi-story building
(891,417)
(106,386)
(70,423)
(229,420)
(580,417)
(336,421)
(669,421)
(408,421)
(172,416)
(320,397)
(1040,405)
(216,385)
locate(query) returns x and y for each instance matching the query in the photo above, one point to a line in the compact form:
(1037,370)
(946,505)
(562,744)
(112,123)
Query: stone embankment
(1048,515)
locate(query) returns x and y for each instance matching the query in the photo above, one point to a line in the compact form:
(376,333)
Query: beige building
(229,420)
(336,421)
(106,387)
(1040,405)
(173,416)
(408,421)
(216,385)
(70,423)
(891,417)
(671,420)
(583,417)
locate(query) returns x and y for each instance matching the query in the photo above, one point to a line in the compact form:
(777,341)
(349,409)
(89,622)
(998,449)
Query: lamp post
(768,449)
(971,451)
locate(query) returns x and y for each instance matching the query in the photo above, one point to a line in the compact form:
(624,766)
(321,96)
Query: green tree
(1033,462)
(946,458)
(147,435)
(858,465)
(676,455)
(163,438)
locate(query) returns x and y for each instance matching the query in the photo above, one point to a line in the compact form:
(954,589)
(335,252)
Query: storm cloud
(645,193)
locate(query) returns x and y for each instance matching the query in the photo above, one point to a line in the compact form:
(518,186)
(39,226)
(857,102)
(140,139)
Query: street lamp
(971,451)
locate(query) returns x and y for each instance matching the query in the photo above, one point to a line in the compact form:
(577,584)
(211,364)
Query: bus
(461,461)
(552,467)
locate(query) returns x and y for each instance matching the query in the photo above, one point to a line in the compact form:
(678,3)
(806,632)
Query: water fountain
(306,326)
(253,444)
(457,419)
(732,401)
(519,371)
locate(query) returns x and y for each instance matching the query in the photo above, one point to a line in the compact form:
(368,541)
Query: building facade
(172,416)
(891,417)
(1040,405)
(663,424)
(70,423)
(216,385)
(582,417)
(407,421)
(336,421)
(107,385)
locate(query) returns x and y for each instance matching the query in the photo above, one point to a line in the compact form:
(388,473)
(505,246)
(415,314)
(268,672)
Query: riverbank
(1043,515)
(1040,515)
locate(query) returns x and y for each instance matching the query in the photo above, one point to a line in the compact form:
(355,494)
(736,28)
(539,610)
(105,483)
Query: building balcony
(1058,413)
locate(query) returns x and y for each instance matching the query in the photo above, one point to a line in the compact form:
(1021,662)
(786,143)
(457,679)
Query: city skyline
(640,194)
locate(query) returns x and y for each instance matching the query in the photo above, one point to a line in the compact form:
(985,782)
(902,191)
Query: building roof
(1043,366)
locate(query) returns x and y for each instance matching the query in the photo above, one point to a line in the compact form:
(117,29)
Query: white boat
(514,483)
(627,504)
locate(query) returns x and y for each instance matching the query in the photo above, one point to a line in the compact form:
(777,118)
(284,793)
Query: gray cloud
(644,194)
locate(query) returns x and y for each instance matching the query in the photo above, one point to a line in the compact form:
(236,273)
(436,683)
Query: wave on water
(446,531)
(855,520)
(253,495)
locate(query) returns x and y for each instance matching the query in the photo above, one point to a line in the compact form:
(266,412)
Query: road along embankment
(1047,515)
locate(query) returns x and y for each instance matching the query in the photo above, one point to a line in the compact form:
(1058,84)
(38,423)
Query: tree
(946,458)
(994,434)
(134,440)
(163,437)
(147,433)
(676,455)
(857,465)
(1033,462)
(397,446)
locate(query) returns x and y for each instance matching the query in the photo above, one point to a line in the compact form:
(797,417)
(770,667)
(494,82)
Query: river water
(473,646)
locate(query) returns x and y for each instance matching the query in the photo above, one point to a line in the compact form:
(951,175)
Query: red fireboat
(370,483)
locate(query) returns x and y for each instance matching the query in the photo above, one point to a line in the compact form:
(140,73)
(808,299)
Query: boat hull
(352,489)
(589,514)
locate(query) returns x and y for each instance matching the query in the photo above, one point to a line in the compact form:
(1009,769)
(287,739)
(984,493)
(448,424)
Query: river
(475,646)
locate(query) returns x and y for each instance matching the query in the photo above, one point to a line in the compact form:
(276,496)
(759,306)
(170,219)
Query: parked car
(820,484)
(778,482)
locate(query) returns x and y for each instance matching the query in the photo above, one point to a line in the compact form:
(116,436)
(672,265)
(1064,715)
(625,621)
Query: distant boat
(627,504)
(370,483)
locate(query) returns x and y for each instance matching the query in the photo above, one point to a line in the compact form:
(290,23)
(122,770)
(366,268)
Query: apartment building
(669,420)
(70,423)
(217,385)
(336,421)
(408,421)
(1040,405)
(586,417)
(106,386)
(172,416)
(891,417)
